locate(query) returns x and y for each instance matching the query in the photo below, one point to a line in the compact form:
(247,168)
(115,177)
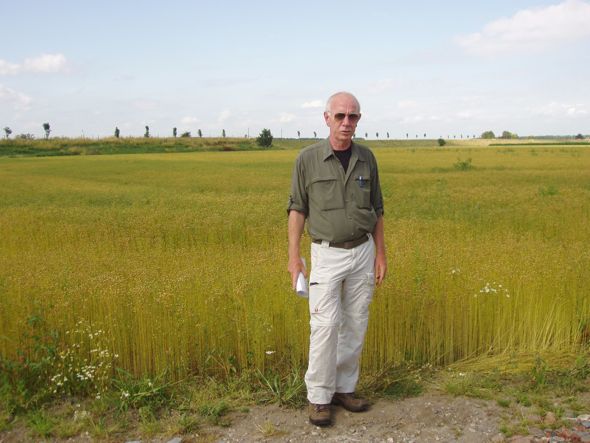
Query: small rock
(585,417)
(520,439)
(390,440)
(550,419)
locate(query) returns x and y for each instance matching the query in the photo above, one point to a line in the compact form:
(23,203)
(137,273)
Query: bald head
(341,94)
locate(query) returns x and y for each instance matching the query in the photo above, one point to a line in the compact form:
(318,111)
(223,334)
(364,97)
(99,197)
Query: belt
(347,244)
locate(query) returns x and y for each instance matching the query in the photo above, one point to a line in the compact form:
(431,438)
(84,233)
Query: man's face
(342,118)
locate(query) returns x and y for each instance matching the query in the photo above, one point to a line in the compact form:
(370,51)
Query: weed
(143,392)
(40,423)
(148,422)
(267,429)
(288,390)
(215,413)
(503,402)
(188,424)
(539,373)
(463,165)
(548,191)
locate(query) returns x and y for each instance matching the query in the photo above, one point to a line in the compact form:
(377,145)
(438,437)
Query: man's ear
(326,117)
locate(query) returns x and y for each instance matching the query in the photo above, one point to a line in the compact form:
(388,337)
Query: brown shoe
(349,402)
(320,415)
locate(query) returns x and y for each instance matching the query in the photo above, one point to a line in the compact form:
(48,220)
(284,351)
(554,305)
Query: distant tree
(223,133)
(265,138)
(147,132)
(8,131)
(488,134)
(407,135)
(174,132)
(315,135)
(366,135)
(416,135)
(199,133)
(298,134)
(508,135)
(578,137)
(388,135)
(461,135)
(186,134)
(117,132)
(47,130)
(441,142)
(377,134)
(425,135)
(26,136)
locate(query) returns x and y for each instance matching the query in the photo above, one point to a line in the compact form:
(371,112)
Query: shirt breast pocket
(362,191)
(326,192)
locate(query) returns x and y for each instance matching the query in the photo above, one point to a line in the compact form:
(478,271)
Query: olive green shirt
(339,206)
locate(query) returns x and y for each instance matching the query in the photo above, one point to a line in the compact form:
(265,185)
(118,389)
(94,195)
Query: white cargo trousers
(341,287)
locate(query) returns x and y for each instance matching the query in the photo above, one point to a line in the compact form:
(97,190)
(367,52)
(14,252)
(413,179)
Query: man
(336,188)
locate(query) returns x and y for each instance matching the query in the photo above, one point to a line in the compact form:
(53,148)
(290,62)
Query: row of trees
(484,135)
(505,135)
(46,128)
(146,134)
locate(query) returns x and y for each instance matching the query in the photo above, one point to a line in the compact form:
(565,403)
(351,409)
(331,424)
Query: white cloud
(223,115)
(420,118)
(313,104)
(17,100)
(45,63)
(145,105)
(531,30)
(464,114)
(407,104)
(380,86)
(7,68)
(555,109)
(189,120)
(286,117)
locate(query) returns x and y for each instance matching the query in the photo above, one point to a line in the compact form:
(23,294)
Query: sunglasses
(351,117)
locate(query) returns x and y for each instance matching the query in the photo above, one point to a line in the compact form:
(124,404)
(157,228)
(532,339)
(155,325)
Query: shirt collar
(355,151)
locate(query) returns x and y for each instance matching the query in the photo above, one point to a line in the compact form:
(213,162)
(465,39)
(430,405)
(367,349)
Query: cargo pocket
(322,302)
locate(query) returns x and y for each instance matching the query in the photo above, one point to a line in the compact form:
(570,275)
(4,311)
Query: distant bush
(441,142)
(265,138)
(26,136)
(488,134)
(463,165)
(186,134)
(579,137)
(508,135)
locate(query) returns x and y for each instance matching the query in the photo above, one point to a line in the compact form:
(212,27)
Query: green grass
(171,267)
(179,258)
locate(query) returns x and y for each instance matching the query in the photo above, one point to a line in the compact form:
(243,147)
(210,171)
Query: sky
(423,67)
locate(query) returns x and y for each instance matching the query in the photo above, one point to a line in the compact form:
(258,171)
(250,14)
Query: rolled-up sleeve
(298,199)
(376,196)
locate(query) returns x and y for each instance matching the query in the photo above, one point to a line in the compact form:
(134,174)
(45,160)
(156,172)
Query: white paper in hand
(301,285)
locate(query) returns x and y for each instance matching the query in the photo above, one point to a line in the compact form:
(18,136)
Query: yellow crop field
(177,262)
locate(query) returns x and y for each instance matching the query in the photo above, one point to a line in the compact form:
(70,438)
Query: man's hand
(296,224)
(295,267)
(380,268)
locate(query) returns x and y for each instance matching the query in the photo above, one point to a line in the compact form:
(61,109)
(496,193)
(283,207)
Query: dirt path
(428,418)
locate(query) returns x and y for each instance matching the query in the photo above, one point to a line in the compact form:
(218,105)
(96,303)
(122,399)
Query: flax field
(176,262)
